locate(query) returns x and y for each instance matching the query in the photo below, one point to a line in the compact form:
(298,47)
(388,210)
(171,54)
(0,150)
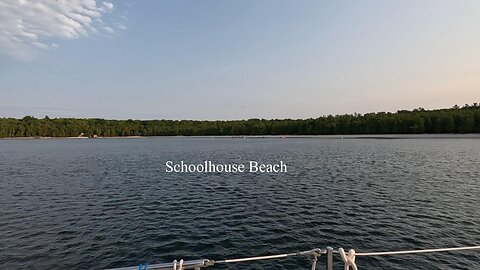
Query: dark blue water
(94,204)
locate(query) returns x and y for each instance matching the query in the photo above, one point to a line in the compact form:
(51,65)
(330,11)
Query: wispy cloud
(29,26)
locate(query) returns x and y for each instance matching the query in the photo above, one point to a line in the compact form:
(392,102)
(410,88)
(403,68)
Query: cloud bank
(29,26)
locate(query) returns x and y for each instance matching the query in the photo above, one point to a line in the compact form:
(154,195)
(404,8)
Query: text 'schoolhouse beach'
(274,134)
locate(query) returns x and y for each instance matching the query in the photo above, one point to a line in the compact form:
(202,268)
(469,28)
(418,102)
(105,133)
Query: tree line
(457,119)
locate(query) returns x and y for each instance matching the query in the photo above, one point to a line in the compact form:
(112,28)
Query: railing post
(329,258)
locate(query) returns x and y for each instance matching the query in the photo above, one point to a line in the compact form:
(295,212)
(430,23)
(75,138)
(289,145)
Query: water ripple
(96,204)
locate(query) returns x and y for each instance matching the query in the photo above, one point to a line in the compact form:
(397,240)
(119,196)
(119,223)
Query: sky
(235,59)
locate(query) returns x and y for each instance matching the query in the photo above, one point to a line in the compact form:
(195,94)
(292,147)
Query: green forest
(457,119)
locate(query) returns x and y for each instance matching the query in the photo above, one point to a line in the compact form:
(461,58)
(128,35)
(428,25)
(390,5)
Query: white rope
(381,253)
(348,259)
(180,265)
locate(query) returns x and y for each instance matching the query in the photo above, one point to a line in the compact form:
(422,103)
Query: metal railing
(348,258)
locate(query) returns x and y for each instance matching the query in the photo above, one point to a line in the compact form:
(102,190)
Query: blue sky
(203,59)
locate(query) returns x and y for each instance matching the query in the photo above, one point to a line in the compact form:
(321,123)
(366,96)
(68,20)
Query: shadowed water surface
(94,204)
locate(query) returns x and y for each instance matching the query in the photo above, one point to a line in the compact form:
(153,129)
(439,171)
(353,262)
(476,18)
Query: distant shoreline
(456,120)
(346,137)
(80,138)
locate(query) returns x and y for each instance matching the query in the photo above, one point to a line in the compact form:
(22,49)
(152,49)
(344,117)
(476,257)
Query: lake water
(94,204)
